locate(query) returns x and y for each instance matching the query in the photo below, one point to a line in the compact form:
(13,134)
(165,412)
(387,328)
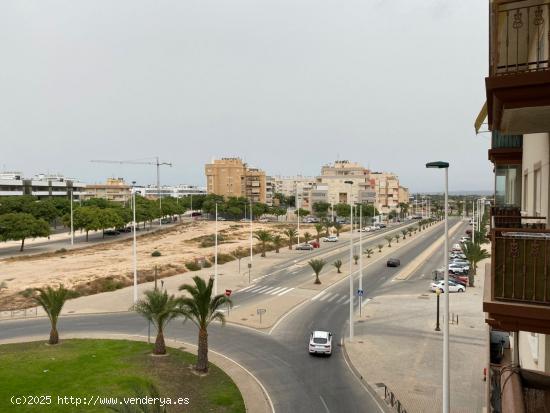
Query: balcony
(517,293)
(518,86)
(506,149)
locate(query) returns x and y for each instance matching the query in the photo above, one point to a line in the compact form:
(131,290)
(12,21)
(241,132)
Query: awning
(481,117)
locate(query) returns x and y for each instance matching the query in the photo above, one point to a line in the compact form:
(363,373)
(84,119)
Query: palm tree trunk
(263,249)
(54,335)
(22,244)
(202,353)
(317,281)
(160,346)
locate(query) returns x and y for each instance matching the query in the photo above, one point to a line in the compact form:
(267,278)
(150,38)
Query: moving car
(320,342)
(331,238)
(453,287)
(111,232)
(393,262)
(263,220)
(306,247)
(314,244)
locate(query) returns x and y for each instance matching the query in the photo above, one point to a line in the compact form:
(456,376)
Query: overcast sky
(287,85)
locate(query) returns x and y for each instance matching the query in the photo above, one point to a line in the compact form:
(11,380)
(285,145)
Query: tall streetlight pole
(297,204)
(134,246)
(360,257)
(446,374)
(350,263)
(251,248)
(72,220)
(216,254)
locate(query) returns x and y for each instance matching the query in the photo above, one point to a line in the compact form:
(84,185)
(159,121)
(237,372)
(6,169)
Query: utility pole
(72,220)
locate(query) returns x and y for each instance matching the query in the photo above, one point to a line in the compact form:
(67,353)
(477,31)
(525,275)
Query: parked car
(245,220)
(320,342)
(381,225)
(453,287)
(457,255)
(314,244)
(458,270)
(468,232)
(306,247)
(125,229)
(111,232)
(263,220)
(330,238)
(393,262)
(221,219)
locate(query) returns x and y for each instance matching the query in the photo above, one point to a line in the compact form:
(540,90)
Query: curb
(251,398)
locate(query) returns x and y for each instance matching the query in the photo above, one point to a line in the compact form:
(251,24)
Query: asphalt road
(296,381)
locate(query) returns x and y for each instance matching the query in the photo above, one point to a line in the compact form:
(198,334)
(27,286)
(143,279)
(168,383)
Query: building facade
(114,189)
(334,177)
(516,299)
(180,191)
(41,186)
(386,186)
(231,177)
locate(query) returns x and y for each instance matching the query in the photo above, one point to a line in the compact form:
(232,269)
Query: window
(507,185)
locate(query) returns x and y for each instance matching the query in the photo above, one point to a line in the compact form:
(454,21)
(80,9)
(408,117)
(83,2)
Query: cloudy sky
(287,85)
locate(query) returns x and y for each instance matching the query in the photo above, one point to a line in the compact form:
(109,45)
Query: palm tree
(404,232)
(397,237)
(307,237)
(319,229)
(338,228)
(380,246)
(277,242)
(356,258)
(410,230)
(291,233)
(368,251)
(328,226)
(52,301)
(264,237)
(159,308)
(474,254)
(201,308)
(338,264)
(389,238)
(419,227)
(317,265)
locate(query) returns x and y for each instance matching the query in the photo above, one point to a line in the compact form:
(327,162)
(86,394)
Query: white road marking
(248,288)
(269,290)
(262,289)
(256,289)
(347,301)
(287,291)
(341,299)
(318,295)
(324,404)
(277,290)
(324,297)
(332,298)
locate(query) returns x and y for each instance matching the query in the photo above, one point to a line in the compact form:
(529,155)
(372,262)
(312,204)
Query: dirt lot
(109,266)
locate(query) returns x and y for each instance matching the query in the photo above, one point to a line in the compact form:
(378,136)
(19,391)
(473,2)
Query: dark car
(306,247)
(111,232)
(125,229)
(393,262)
(381,225)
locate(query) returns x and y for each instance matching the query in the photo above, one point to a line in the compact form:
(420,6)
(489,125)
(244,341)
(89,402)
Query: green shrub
(207,264)
(61,250)
(223,258)
(156,254)
(192,266)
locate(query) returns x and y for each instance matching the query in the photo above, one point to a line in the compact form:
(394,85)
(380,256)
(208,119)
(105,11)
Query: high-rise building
(386,187)
(334,177)
(231,177)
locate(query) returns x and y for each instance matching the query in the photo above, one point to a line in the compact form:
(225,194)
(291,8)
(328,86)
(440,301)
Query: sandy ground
(82,269)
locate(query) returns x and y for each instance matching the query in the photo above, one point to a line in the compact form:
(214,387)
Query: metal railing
(503,141)
(510,217)
(521,265)
(522,38)
(19,313)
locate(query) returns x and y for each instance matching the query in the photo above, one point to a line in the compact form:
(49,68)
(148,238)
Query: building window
(507,185)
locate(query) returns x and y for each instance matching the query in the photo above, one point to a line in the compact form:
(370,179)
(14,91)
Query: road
(296,381)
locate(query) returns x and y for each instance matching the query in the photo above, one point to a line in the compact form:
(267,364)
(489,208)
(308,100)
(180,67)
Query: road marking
(319,295)
(262,289)
(248,288)
(324,297)
(269,290)
(332,298)
(277,290)
(341,299)
(284,292)
(324,404)
(255,289)
(347,301)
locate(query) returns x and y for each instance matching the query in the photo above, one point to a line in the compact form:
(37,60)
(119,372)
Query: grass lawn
(109,368)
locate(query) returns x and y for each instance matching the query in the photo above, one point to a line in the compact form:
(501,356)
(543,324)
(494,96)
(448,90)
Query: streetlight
(360,258)
(251,249)
(134,249)
(438,293)
(350,183)
(446,375)
(216,253)
(72,219)
(297,205)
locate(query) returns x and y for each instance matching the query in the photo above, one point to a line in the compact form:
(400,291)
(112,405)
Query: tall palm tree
(474,254)
(397,237)
(52,301)
(291,233)
(338,228)
(319,229)
(159,308)
(317,265)
(389,239)
(328,226)
(404,232)
(338,264)
(201,308)
(277,242)
(264,237)
(307,237)
(368,251)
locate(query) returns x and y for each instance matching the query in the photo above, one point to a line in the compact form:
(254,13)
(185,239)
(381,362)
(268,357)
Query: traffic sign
(260,311)
(228,292)
(360,293)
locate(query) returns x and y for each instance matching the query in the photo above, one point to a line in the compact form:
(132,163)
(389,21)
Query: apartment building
(386,187)
(41,186)
(114,189)
(516,299)
(230,177)
(334,176)
(180,191)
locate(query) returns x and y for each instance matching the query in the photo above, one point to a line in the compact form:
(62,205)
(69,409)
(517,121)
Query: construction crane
(140,162)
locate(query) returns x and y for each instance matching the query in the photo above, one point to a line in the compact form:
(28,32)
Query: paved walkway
(255,396)
(395,344)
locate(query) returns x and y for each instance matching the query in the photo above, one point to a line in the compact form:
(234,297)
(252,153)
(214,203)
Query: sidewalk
(395,344)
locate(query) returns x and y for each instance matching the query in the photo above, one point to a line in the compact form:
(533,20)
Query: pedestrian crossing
(331,298)
(268,290)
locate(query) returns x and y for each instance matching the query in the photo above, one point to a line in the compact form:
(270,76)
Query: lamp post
(350,183)
(438,293)
(360,257)
(251,247)
(72,220)
(446,375)
(134,247)
(297,204)
(216,254)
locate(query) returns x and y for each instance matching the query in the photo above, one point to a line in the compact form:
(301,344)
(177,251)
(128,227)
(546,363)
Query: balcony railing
(502,141)
(521,265)
(521,38)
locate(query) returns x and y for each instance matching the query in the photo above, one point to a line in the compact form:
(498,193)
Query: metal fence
(19,313)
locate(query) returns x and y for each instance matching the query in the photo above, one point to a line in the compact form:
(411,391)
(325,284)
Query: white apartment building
(41,186)
(334,177)
(179,191)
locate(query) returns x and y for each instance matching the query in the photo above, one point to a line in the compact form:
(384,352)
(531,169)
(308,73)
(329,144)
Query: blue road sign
(360,292)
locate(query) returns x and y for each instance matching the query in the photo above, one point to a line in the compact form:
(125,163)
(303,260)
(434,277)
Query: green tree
(87,218)
(404,232)
(109,218)
(328,226)
(474,254)
(397,237)
(264,237)
(355,258)
(319,229)
(19,226)
(338,228)
(342,210)
(277,242)
(291,234)
(52,301)
(320,208)
(317,266)
(380,246)
(338,265)
(307,237)
(201,308)
(389,239)
(240,253)
(159,308)
(368,251)
(302,212)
